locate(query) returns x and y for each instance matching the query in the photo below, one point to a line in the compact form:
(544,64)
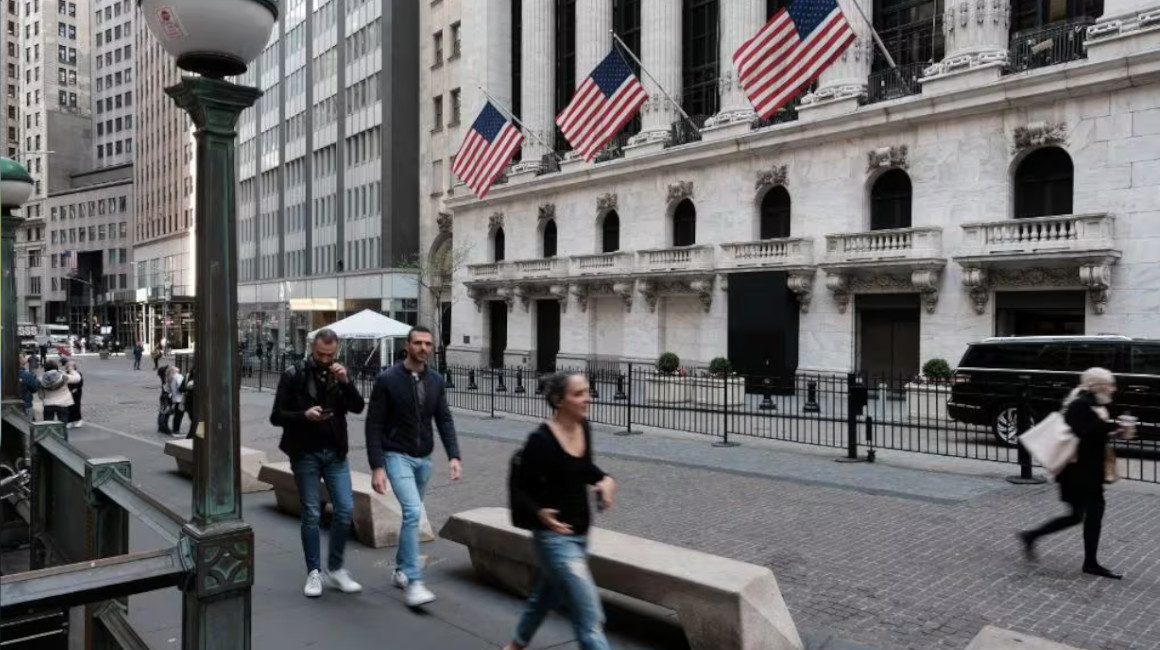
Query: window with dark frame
(626,24)
(1044,184)
(775,213)
(565,62)
(911,30)
(685,224)
(497,245)
(549,238)
(890,201)
(610,233)
(699,96)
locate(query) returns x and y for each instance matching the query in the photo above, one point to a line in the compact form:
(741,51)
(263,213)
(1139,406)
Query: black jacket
(395,422)
(298,391)
(1085,477)
(546,476)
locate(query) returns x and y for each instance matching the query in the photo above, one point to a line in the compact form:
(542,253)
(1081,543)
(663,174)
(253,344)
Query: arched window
(497,245)
(775,213)
(610,233)
(890,201)
(685,224)
(550,238)
(1043,184)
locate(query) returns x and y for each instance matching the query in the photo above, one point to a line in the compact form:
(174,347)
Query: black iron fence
(1052,44)
(893,83)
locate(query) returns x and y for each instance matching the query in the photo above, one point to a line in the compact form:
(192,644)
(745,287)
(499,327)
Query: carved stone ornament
(1039,134)
(223,562)
(507,295)
(723,282)
(560,293)
(648,290)
(444,222)
(802,284)
(839,286)
(887,157)
(580,292)
(926,281)
(476,295)
(703,287)
(547,211)
(521,292)
(772,177)
(625,290)
(977,281)
(1097,278)
(606,202)
(495,221)
(680,190)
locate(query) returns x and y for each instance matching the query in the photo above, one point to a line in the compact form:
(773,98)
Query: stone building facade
(879,221)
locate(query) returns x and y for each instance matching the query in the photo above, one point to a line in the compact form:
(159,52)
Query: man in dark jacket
(406,397)
(28,385)
(313,398)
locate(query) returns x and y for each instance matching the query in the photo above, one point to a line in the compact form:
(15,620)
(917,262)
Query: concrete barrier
(720,603)
(252,461)
(994,638)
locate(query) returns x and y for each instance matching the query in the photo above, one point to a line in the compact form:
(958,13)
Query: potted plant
(927,395)
(719,386)
(668,385)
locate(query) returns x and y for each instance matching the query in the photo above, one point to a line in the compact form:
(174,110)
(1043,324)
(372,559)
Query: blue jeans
(564,581)
(309,469)
(409,477)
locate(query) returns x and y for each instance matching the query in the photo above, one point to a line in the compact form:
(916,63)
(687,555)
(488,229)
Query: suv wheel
(1005,424)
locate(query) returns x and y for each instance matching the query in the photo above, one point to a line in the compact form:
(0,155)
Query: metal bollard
(811,405)
(520,390)
(1023,423)
(501,387)
(767,396)
(448,380)
(592,389)
(471,385)
(620,394)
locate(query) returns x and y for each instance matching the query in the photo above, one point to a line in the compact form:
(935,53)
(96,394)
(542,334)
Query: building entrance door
(497,332)
(763,328)
(1039,313)
(547,334)
(888,337)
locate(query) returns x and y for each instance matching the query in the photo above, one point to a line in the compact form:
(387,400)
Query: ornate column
(487,54)
(740,21)
(660,51)
(217,602)
(1127,27)
(977,40)
(538,82)
(593,35)
(842,85)
(15,188)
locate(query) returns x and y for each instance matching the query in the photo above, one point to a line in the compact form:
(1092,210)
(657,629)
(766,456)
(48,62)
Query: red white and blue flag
(793,48)
(487,149)
(68,259)
(606,100)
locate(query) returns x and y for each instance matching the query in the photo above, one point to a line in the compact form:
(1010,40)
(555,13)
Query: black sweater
(1085,476)
(552,478)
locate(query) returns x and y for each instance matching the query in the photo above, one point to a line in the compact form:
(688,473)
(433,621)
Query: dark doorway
(888,337)
(497,333)
(610,233)
(445,323)
(890,201)
(498,245)
(550,238)
(1039,313)
(775,209)
(685,224)
(547,334)
(1043,184)
(763,328)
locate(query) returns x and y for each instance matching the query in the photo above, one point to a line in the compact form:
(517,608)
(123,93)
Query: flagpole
(515,119)
(643,69)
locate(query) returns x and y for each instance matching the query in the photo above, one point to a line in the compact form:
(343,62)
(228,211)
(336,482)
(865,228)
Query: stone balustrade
(884,245)
(602,264)
(681,258)
(1070,233)
(768,253)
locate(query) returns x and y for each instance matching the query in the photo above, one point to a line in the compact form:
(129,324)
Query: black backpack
(523,512)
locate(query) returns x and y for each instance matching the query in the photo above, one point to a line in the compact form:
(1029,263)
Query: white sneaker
(399,579)
(78,424)
(341,581)
(313,588)
(418,594)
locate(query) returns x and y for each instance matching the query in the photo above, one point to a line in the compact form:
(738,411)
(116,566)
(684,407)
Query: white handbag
(1051,443)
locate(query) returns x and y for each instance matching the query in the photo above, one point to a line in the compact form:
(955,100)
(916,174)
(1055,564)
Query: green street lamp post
(215,40)
(15,188)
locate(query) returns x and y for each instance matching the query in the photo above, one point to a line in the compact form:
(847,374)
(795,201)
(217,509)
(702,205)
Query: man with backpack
(314,395)
(405,399)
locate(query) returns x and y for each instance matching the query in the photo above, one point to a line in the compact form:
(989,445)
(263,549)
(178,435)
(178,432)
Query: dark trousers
(58,413)
(191,409)
(1090,512)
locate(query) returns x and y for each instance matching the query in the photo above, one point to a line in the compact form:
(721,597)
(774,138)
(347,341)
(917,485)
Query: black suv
(992,373)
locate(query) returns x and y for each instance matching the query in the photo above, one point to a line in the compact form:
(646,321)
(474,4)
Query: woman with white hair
(1081,483)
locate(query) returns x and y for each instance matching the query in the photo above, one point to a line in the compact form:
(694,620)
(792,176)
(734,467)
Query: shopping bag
(1051,443)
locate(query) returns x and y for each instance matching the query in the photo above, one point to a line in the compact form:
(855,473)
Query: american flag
(486,150)
(603,103)
(68,259)
(793,48)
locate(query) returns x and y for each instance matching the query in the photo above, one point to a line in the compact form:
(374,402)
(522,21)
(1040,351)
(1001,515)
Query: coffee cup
(1129,424)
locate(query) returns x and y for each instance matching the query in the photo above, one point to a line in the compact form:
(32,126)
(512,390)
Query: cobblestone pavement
(886,555)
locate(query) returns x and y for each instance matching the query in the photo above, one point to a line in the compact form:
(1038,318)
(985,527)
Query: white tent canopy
(367,324)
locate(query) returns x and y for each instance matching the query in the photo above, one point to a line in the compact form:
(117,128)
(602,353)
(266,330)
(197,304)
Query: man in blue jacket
(28,385)
(405,399)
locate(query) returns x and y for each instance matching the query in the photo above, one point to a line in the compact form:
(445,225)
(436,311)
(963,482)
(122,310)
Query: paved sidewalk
(890,555)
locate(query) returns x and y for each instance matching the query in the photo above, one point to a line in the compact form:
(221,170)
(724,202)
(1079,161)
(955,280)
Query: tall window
(610,233)
(911,30)
(773,6)
(775,210)
(1029,14)
(699,97)
(497,245)
(550,238)
(1044,183)
(565,61)
(685,224)
(890,201)
(626,23)
(517,52)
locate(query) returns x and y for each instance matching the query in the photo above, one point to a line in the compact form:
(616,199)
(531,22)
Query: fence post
(811,405)
(628,430)
(471,385)
(619,396)
(501,387)
(766,396)
(520,390)
(724,442)
(1022,424)
(856,396)
(593,390)
(871,454)
(448,376)
(493,390)
(108,536)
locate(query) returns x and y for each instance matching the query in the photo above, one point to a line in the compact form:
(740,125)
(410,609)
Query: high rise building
(10,115)
(328,170)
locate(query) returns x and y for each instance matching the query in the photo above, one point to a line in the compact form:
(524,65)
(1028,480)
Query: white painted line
(159,445)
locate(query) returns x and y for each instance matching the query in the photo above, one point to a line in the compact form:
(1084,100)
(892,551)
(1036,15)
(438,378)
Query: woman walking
(54,385)
(165,403)
(77,390)
(1081,483)
(550,496)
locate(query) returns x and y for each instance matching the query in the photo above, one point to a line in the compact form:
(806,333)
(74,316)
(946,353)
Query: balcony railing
(602,264)
(768,253)
(682,132)
(1064,233)
(884,245)
(548,267)
(683,258)
(489,271)
(893,83)
(550,163)
(1052,44)
(614,149)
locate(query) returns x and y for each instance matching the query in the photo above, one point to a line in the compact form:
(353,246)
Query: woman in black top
(555,472)
(1081,483)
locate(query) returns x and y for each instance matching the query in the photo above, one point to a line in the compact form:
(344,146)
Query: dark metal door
(889,341)
(547,334)
(497,340)
(763,328)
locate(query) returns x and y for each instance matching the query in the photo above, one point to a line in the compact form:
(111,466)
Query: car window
(1008,356)
(1146,359)
(1082,356)
(1053,357)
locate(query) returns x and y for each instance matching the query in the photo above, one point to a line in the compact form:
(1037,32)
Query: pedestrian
(156,354)
(84,344)
(43,344)
(550,496)
(191,403)
(28,386)
(1081,483)
(54,387)
(164,345)
(74,412)
(175,383)
(313,397)
(405,398)
(165,403)
(138,351)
